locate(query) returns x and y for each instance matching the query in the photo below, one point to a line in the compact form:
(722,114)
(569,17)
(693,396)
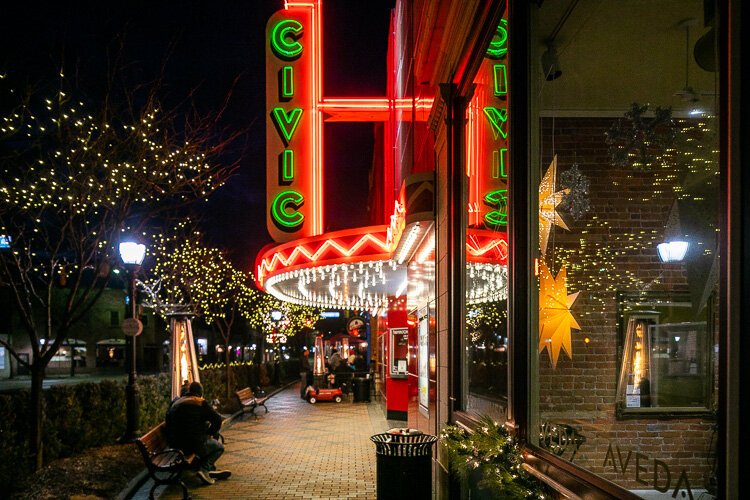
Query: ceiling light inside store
(672,251)
(551,63)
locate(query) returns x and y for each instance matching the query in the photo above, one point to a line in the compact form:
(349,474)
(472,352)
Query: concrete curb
(138,481)
(133,486)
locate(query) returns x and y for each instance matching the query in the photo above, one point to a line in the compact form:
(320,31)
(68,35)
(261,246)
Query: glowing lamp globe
(672,251)
(276,315)
(131,253)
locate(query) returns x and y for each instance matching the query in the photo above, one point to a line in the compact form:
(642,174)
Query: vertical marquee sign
(294,186)
(487,138)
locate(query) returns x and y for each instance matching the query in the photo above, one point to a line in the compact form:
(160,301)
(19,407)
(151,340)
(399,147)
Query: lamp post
(132,255)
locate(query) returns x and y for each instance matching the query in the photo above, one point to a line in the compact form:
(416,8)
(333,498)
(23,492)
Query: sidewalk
(296,450)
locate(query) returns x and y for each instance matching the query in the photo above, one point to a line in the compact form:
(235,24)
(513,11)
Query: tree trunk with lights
(229,375)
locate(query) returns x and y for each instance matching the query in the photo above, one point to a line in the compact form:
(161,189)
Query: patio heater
(182,356)
(345,349)
(319,362)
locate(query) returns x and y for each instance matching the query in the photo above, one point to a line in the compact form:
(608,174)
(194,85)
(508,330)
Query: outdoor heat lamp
(672,251)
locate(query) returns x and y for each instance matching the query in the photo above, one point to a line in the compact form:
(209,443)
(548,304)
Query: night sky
(203,47)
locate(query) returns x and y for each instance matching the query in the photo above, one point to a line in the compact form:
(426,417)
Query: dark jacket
(190,420)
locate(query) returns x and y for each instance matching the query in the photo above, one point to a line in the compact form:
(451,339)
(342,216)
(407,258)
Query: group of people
(337,369)
(355,362)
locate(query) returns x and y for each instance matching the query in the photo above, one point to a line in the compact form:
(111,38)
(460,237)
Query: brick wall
(613,249)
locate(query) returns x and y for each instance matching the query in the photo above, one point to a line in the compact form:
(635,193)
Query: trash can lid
(404,431)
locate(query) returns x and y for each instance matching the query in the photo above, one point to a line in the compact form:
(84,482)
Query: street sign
(132,327)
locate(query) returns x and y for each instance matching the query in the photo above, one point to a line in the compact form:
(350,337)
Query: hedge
(86,415)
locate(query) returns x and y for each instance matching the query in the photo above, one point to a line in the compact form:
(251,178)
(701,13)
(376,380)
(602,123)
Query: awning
(358,269)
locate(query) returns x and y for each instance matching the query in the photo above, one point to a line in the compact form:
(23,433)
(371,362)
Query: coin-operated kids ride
(314,395)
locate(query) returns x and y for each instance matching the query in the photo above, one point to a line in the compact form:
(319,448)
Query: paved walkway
(297,450)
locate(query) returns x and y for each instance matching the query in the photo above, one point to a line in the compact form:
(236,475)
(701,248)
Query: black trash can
(361,388)
(404,464)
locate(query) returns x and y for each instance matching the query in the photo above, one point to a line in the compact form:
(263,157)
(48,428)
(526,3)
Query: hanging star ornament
(555,318)
(549,199)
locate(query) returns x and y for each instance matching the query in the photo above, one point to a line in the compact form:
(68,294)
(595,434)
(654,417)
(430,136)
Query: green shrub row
(86,415)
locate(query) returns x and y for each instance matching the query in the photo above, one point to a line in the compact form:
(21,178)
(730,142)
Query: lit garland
(487,316)
(216,366)
(492,452)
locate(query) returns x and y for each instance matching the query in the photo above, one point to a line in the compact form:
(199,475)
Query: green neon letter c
(280,209)
(498,46)
(285,39)
(499,201)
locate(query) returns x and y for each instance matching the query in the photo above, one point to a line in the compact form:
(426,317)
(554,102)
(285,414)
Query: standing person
(193,427)
(360,365)
(335,360)
(305,373)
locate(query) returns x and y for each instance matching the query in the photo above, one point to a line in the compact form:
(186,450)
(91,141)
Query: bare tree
(75,178)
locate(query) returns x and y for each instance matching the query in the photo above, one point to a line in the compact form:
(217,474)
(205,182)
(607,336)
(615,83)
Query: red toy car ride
(314,395)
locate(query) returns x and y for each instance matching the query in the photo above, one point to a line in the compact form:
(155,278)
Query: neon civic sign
(294,177)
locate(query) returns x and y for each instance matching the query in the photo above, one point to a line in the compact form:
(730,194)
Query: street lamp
(132,255)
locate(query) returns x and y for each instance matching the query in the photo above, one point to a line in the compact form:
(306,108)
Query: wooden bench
(161,459)
(248,400)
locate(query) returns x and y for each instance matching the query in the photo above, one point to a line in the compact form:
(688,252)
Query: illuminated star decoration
(548,202)
(555,318)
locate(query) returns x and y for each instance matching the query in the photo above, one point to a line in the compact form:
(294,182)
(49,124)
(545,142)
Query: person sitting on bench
(193,427)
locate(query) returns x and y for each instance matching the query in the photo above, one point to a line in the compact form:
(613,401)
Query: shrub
(14,430)
(155,396)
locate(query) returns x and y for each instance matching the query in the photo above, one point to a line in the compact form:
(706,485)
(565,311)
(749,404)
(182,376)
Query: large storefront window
(626,153)
(487,168)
